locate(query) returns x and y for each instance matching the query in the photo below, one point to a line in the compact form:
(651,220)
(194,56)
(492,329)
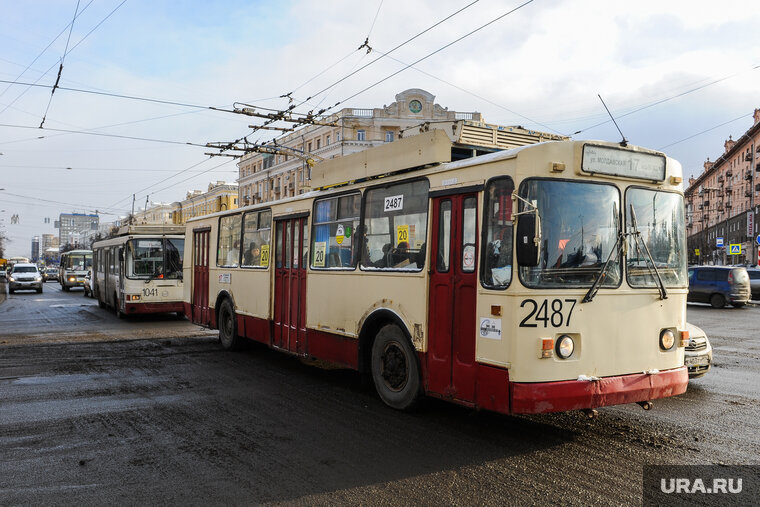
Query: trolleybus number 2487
(550,313)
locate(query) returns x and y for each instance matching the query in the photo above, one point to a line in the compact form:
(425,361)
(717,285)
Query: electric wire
(500,106)
(53,66)
(433,53)
(43,51)
(392,50)
(60,68)
(666,99)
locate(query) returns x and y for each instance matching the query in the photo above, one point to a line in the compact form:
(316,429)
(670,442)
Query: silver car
(698,356)
(24,277)
(754,282)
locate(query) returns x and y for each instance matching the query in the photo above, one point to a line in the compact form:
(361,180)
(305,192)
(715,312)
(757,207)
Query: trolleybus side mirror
(528,239)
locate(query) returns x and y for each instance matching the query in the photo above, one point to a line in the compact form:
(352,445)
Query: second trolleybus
(140,270)
(545,278)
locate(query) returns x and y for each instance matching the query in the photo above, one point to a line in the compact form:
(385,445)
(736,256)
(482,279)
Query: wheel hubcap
(395,369)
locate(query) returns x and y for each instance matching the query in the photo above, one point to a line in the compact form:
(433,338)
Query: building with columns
(219,196)
(722,203)
(156,213)
(266,177)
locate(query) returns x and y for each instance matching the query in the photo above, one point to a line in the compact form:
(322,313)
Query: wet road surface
(177,420)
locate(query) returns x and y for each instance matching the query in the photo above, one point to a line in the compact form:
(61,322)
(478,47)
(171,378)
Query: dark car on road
(719,285)
(754,282)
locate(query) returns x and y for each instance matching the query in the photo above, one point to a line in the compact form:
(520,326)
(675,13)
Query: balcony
(748,193)
(721,178)
(748,175)
(729,173)
(729,190)
(748,157)
(728,205)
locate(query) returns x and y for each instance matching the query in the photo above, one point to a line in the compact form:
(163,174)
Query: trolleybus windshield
(78,262)
(580,226)
(155,258)
(660,219)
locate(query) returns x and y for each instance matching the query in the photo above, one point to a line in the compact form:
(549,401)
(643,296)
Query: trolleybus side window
(228,250)
(660,219)
(395,226)
(257,228)
(580,223)
(496,267)
(335,223)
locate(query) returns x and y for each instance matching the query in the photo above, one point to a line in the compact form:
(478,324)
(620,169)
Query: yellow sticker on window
(264,260)
(402,235)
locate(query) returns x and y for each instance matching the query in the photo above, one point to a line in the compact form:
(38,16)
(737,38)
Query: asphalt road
(176,420)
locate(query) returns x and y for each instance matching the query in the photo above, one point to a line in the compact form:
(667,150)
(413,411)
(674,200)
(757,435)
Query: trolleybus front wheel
(395,371)
(228,332)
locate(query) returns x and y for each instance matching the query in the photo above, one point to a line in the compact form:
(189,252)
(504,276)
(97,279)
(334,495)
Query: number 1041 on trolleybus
(544,278)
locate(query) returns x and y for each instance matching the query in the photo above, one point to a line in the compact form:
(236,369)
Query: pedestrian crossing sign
(735,249)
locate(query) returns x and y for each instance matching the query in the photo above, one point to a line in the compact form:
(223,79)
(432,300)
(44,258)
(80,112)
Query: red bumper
(536,398)
(131,308)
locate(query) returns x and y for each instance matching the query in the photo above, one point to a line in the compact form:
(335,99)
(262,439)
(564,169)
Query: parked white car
(698,356)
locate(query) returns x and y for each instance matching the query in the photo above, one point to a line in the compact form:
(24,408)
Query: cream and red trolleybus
(549,277)
(140,270)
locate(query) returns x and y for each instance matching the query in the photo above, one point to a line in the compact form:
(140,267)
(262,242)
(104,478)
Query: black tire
(737,305)
(10,291)
(39,291)
(65,288)
(717,301)
(395,370)
(228,331)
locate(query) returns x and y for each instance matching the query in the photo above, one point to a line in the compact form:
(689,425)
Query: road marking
(73,304)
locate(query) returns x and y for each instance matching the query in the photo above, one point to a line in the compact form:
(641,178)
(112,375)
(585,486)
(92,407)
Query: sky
(132,111)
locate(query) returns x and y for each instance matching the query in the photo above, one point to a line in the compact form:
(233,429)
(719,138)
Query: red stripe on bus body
(542,397)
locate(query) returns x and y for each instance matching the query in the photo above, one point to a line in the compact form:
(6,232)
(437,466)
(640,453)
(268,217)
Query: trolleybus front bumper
(131,308)
(541,397)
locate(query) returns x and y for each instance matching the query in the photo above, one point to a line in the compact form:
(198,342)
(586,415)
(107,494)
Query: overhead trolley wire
(431,54)
(60,68)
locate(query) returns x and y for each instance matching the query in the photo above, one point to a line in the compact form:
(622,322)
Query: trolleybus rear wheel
(228,332)
(395,371)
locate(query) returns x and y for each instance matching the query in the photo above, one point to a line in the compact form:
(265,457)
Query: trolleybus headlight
(667,339)
(565,346)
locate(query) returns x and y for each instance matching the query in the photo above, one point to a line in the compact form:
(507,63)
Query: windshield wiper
(603,272)
(653,269)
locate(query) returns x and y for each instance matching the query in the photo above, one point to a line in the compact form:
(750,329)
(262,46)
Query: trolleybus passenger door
(290,284)
(453,290)
(200,311)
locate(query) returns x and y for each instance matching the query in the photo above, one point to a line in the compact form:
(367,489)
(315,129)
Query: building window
(361,135)
(388,136)
(327,141)
(319,143)
(337,136)
(308,147)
